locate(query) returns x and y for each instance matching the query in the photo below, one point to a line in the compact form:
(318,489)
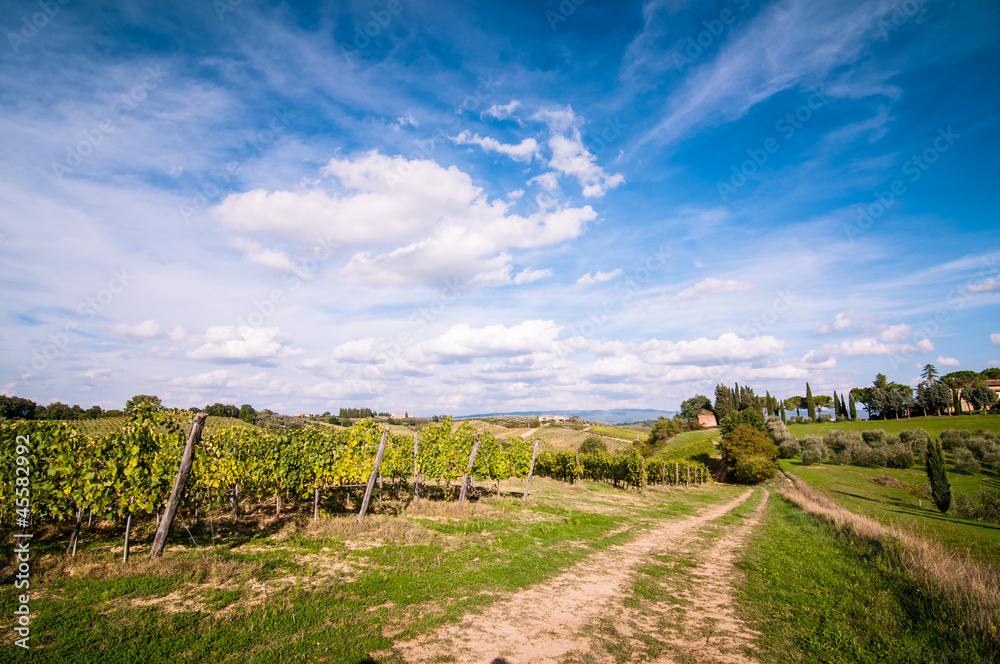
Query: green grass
(932,425)
(696,445)
(815,599)
(852,488)
(619,432)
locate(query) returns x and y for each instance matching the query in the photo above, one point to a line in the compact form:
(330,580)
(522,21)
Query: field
(579,573)
(932,425)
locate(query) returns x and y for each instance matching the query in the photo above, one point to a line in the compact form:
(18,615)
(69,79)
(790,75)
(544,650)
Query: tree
(247,413)
(748,454)
(992,373)
(59,411)
(153,402)
(853,408)
(958,381)
(749,417)
(784,417)
(16,408)
(810,402)
(836,406)
(724,401)
(933,397)
(794,403)
(938,476)
(593,444)
(662,431)
(929,374)
(843,407)
(823,401)
(981,396)
(690,408)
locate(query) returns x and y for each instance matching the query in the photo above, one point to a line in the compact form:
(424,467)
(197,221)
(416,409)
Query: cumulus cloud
(948,362)
(712,286)
(590,279)
(894,333)
(569,155)
(463,342)
(867,346)
(995,339)
(527,275)
(147,329)
(991,285)
(255,345)
(406,220)
(405,121)
(727,348)
(523,151)
(272,259)
(842,321)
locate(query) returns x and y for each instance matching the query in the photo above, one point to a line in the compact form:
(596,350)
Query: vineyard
(129,471)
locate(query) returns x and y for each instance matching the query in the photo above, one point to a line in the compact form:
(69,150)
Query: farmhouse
(707,419)
(551,418)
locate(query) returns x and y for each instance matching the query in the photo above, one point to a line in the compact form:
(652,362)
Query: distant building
(551,418)
(303,415)
(707,419)
(397,416)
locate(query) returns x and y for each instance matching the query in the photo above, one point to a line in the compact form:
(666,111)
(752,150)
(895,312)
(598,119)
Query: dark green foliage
(247,413)
(938,476)
(140,399)
(874,437)
(853,408)
(810,402)
(987,510)
(750,417)
(593,444)
(980,395)
(748,453)
(222,410)
(917,439)
(725,401)
(356,412)
(662,431)
(965,461)
(690,408)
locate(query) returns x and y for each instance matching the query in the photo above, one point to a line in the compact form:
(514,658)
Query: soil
(567,617)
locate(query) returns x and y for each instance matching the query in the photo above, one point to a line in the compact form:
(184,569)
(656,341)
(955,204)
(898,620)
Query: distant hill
(614,416)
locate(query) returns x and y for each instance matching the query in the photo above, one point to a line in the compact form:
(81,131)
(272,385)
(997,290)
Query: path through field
(591,613)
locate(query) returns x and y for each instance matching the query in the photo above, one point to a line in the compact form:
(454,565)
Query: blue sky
(463,207)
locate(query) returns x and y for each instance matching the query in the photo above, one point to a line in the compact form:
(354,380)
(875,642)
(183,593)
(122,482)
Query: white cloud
(501,112)
(405,220)
(527,275)
(272,259)
(995,339)
(231,343)
(991,285)
(711,286)
(523,151)
(590,278)
(842,321)
(177,334)
(405,121)
(948,362)
(728,348)
(571,157)
(867,346)
(94,375)
(894,333)
(463,342)
(147,329)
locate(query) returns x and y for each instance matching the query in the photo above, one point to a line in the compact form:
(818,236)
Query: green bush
(743,450)
(917,439)
(965,461)
(812,455)
(593,444)
(789,448)
(951,438)
(754,469)
(748,417)
(899,455)
(874,437)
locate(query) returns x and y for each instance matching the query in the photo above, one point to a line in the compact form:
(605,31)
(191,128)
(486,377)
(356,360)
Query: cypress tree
(836,405)
(843,407)
(854,409)
(938,476)
(784,418)
(810,403)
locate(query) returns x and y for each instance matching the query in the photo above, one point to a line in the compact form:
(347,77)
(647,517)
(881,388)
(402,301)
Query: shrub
(987,510)
(950,438)
(741,446)
(869,457)
(593,444)
(917,439)
(840,458)
(992,459)
(811,455)
(789,448)
(874,437)
(963,506)
(778,430)
(965,461)
(899,455)
(824,417)
(838,441)
(750,417)
(754,469)
(977,446)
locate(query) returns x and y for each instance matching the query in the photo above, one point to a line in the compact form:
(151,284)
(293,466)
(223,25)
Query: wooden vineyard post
(643,485)
(371,479)
(128,533)
(687,481)
(578,480)
(316,504)
(416,470)
(663,473)
(677,473)
(468,472)
(180,482)
(531,469)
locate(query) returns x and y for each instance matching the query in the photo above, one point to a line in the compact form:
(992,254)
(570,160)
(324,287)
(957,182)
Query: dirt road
(591,613)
